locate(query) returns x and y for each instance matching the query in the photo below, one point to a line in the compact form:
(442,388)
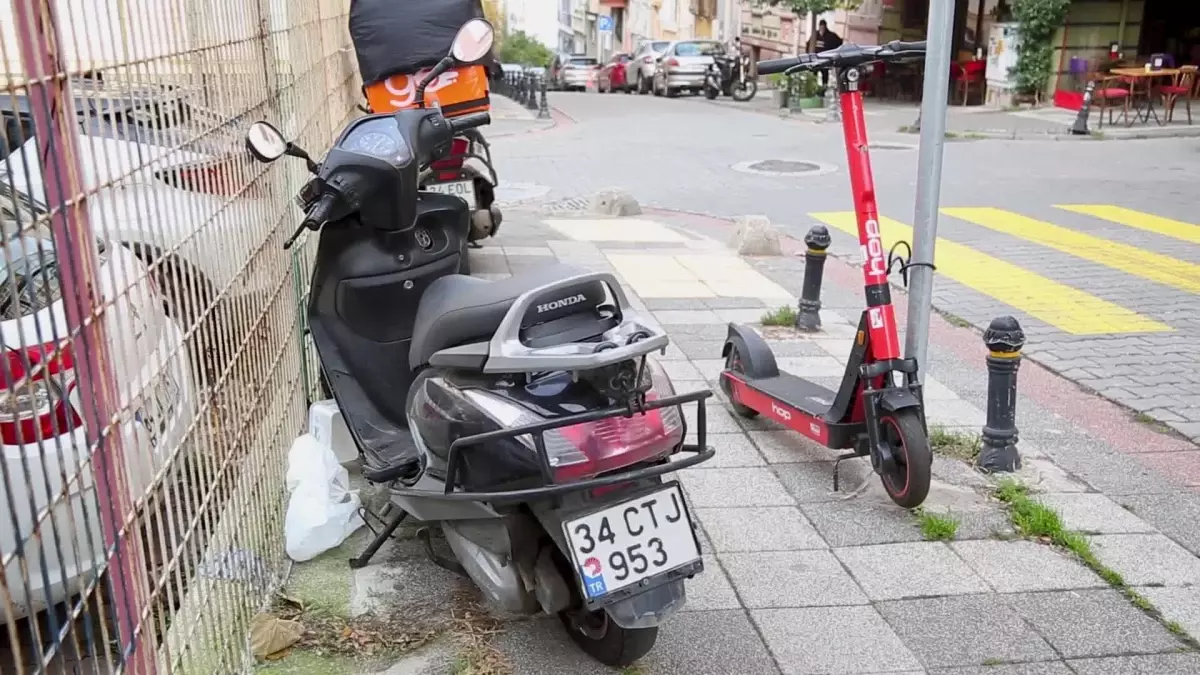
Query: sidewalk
(977,122)
(799,579)
(509,118)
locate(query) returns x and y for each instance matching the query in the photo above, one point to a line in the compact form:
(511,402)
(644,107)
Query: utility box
(1003,49)
(328,427)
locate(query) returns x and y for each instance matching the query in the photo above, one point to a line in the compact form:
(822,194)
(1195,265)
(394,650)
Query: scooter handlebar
(780,65)
(461,124)
(846,55)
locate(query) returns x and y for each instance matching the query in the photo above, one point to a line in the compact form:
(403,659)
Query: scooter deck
(798,404)
(808,397)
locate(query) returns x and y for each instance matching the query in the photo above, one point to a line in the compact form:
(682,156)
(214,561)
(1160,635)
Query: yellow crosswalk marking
(1143,221)
(1066,308)
(1128,259)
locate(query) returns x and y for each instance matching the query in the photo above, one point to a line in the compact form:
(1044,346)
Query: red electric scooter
(878,408)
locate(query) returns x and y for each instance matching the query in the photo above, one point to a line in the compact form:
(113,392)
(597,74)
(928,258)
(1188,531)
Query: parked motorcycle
(730,75)
(524,417)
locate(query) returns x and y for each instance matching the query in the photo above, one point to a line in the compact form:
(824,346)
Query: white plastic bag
(322,511)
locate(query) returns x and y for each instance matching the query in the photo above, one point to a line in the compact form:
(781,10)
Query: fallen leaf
(270,634)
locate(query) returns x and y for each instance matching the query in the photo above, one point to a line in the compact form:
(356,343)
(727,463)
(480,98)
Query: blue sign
(605,23)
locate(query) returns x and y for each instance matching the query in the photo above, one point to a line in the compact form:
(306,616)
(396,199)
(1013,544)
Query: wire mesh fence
(153,373)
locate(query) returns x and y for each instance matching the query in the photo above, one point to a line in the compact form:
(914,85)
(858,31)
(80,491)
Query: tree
(815,7)
(520,48)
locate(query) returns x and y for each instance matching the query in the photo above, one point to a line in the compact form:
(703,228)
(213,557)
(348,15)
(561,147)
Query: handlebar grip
(319,213)
(779,65)
(461,124)
(898,46)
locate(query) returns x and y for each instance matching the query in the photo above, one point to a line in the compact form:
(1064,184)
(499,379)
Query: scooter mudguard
(758,361)
(649,609)
(895,399)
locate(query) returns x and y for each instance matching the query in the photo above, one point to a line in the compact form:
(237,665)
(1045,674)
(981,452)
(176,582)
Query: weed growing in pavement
(1143,418)
(954,444)
(474,629)
(632,670)
(936,526)
(993,662)
(1037,521)
(784,316)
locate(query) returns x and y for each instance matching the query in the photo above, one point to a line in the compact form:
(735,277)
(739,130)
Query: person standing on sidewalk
(824,40)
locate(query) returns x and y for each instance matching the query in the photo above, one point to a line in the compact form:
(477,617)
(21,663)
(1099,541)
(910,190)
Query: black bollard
(532,102)
(1080,128)
(1004,339)
(808,319)
(543,105)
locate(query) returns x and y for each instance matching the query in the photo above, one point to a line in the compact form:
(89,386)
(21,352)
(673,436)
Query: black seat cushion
(457,310)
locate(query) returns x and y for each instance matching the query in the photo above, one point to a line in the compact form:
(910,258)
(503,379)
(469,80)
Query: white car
(157,200)
(51,541)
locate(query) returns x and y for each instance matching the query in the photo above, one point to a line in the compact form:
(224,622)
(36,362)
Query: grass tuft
(954,444)
(784,316)
(936,526)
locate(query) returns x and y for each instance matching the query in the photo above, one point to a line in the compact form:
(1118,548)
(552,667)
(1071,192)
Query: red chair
(1181,87)
(1109,90)
(967,76)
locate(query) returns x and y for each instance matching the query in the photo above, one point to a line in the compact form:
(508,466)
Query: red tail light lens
(36,408)
(672,62)
(215,177)
(589,449)
(449,166)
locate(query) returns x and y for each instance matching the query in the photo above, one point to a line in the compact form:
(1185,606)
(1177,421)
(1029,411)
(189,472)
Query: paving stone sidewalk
(802,580)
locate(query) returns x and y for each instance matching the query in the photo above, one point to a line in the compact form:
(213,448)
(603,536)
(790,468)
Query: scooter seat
(458,309)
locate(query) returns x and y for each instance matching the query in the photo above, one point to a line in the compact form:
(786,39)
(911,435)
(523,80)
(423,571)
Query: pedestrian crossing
(1074,308)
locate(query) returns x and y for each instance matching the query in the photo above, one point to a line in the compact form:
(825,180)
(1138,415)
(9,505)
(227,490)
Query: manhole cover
(783,167)
(891,146)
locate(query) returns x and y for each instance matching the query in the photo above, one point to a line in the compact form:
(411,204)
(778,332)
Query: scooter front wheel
(602,639)
(908,483)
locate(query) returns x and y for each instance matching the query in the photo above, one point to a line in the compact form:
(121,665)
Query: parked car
(512,68)
(683,66)
(613,76)
(154,197)
(573,71)
(640,69)
(39,397)
(537,71)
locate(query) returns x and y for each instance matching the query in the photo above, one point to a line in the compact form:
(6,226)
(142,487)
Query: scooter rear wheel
(603,640)
(908,484)
(734,362)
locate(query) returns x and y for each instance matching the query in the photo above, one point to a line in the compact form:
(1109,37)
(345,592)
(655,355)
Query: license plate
(624,544)
(463,189)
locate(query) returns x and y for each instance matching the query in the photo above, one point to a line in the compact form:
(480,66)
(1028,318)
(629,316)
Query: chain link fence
(154,370)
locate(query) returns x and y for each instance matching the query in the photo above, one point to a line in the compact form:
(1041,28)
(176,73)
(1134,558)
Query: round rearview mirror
(473,41)
(265,142)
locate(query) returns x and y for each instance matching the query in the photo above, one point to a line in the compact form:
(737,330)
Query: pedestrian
(824,40)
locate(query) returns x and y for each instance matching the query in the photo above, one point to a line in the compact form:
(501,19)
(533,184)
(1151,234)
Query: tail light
(449,166)
(36,408)
(591,448)
(647,59)
(672,62)
(219,176)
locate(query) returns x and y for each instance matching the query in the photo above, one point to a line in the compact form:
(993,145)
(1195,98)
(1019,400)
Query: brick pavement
(799,579)
(679,154)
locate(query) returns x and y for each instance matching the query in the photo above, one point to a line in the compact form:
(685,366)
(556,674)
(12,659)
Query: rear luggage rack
(700,452)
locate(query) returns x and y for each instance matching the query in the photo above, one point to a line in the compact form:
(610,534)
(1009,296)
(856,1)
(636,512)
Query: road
(1090,244)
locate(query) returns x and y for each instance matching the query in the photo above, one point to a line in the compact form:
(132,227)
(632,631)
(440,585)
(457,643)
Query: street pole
(929,178)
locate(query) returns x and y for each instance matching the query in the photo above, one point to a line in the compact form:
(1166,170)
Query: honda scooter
(525,418)
(878,409)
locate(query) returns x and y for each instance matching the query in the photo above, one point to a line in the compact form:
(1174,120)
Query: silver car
(684,65)
(640,69)
(576,71)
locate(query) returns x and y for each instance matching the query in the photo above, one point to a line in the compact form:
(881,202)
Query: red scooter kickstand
(877,410)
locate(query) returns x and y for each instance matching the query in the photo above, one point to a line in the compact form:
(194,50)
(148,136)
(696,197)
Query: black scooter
(523,417)
(730,75)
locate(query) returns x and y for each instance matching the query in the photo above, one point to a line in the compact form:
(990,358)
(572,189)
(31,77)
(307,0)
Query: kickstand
(837,464)
(440,561)
(365,557)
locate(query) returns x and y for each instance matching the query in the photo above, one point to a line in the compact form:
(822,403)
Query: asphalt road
(1108,290)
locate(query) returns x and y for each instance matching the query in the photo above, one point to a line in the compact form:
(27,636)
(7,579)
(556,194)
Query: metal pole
(53,109)
(929,178)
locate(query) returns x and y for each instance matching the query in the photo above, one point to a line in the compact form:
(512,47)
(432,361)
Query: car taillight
(647,59)
(36,407)
(215,177)
(449,166)
(672,62)
(591,448)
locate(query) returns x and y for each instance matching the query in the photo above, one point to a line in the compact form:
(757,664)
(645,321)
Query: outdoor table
(1136,75)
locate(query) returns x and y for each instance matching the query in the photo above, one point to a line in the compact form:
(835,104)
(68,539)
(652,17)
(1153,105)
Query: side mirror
(473,41)
(265,142)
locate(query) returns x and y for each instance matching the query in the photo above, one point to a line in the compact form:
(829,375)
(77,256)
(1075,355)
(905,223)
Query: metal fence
(153,374)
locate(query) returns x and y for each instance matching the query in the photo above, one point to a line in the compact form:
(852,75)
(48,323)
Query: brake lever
(292,239)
